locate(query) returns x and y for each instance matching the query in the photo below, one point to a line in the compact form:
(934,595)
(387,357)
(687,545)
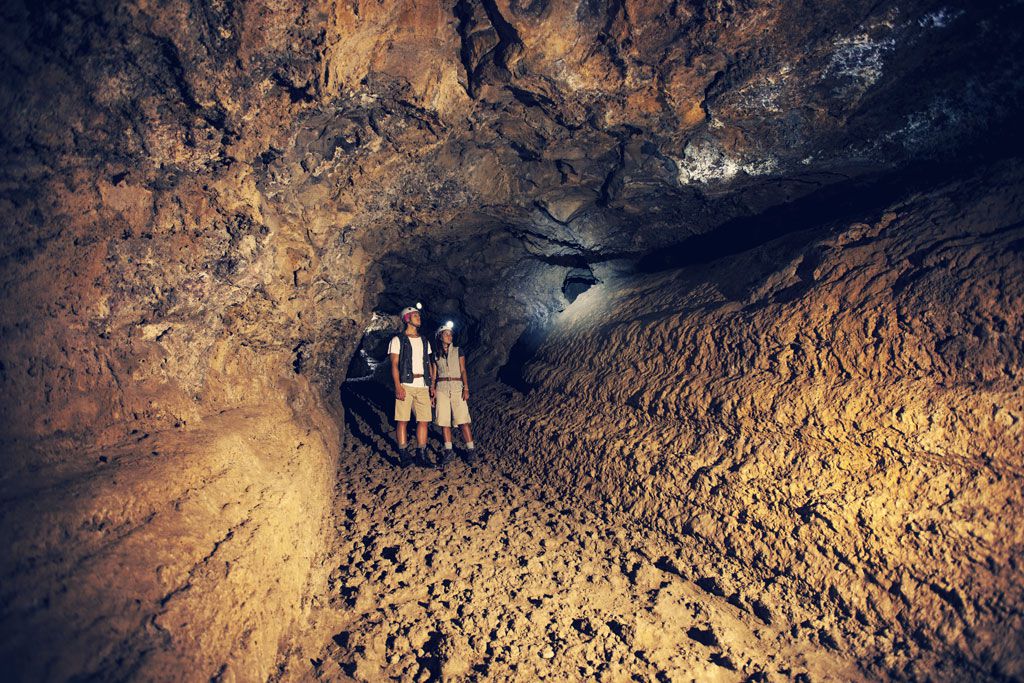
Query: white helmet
(407,311)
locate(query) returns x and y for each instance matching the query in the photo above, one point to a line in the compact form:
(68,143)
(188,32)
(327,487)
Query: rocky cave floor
(461,573)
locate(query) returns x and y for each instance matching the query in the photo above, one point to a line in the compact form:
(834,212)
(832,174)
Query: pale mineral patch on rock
(940,18)
(860,60)
(705,162)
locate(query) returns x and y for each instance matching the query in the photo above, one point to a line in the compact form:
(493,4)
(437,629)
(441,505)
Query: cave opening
(577,281)
(740,288)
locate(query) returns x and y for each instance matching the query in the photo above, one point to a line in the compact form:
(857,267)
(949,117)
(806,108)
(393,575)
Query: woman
(451,389)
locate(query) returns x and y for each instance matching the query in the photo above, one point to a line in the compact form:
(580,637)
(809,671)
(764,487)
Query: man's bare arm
(399,389)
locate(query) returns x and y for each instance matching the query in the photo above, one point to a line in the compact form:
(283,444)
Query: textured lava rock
(840,412)
(271,173)
(169,553)
(205,204)
(464,573)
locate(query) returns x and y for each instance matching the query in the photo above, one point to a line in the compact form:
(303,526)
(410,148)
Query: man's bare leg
(421,443)
(402,437)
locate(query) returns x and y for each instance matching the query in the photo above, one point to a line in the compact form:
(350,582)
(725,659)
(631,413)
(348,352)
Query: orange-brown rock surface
(211,209)
(838,410)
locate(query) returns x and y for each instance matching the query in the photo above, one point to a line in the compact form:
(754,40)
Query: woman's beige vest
(448,366)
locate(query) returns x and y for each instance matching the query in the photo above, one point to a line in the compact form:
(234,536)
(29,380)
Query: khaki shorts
(451,409)
(417,399)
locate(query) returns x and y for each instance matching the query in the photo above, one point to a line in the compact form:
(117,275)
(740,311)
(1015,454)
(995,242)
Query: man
(410,361)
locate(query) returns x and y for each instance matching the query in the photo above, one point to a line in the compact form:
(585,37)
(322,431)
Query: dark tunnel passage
(740,291)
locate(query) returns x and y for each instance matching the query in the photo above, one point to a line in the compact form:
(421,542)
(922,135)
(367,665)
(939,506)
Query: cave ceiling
(479,154)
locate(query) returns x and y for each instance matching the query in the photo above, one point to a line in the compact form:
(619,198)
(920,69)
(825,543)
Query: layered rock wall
(168,455)
(191,552)
(840,414)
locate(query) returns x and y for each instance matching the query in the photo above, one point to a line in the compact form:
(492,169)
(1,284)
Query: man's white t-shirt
(417,358)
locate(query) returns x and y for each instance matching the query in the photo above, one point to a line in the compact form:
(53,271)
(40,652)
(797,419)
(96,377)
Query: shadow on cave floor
(367,404)
(463,573)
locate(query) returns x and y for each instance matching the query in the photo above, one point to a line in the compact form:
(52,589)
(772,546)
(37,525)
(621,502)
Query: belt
(449,379)
(415,376)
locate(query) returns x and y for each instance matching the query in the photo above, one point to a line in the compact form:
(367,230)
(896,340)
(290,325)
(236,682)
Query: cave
(739,283)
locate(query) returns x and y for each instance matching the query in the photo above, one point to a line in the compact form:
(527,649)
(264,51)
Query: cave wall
(169,456)
(195,552)
(838,411)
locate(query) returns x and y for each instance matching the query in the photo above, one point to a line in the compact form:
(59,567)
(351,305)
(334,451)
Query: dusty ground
(460,573)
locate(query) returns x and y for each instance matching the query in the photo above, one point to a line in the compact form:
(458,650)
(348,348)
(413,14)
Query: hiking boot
(404,456)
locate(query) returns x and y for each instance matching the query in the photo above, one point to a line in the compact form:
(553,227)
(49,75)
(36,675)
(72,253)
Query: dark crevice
(548,106)
(464,13)
(521,353)
(544,104)
(531,99)
(577,281)
(615,7)
(300,356)
(614,174)
(510,46)
(431,657)
(295,93)
(613,180)
(524,153)
(544,209)
(215,116)
(709,92)
(580,258)
(564,260)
